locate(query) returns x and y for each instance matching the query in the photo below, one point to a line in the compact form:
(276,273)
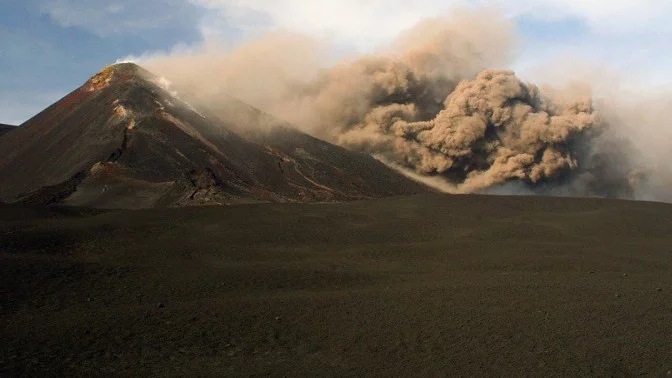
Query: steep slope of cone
(299,153)
(123,141)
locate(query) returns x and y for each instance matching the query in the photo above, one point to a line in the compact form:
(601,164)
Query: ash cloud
(491,130)
(432,107)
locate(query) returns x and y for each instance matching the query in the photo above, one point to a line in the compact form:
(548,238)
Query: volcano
(124,140)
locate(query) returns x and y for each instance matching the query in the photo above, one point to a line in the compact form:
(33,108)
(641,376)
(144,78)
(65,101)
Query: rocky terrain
(420,286)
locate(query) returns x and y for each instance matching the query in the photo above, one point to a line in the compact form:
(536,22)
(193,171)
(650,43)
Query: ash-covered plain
(432,285)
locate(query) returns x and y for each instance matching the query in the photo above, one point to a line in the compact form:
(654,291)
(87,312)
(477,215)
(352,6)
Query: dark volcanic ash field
(414,286)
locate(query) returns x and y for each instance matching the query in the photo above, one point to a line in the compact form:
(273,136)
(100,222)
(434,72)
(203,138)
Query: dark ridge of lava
(4,129)
(123,141)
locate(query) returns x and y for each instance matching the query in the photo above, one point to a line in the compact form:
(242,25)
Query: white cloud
(606,16)
(129,17)
(377,20)
(629,33)
(632,33)
(364,23)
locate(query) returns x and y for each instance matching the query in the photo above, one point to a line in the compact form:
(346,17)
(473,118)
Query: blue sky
(50,47)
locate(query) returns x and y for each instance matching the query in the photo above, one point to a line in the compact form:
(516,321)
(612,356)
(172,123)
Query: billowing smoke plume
(428,106)
(491,130)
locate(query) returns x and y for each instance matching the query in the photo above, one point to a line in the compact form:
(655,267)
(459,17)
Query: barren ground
(409,286)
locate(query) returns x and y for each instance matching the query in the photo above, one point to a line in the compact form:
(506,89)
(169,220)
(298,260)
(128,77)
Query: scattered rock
(617,295)
(161,305)
(659,289)
(625,274)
